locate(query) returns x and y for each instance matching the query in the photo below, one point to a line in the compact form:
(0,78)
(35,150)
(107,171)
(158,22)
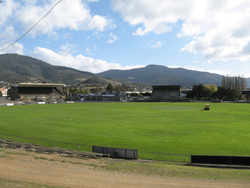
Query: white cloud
(16,48)
(158,44)
(110,41)
(17,17)
(7,9)
(97,22)
(74,15)
(6,42)
(8,33)
(114,38)
(68,49)
(156,16)
(88,51)
(79,62)
(219,29)
(202,63)
(132,67)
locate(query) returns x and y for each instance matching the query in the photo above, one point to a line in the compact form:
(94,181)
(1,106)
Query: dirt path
(56,170)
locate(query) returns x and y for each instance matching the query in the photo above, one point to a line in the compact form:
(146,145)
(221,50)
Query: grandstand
(166,92)
(35,92)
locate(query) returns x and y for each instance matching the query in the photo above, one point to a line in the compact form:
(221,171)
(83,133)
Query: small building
(247,93)
(4,92)
(166,92)
(34,92)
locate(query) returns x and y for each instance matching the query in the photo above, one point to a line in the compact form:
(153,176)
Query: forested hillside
(15,67)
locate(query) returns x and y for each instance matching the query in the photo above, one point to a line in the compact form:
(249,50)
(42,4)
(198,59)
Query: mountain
(160,75)
(14,67)
(99,80)
(171,80)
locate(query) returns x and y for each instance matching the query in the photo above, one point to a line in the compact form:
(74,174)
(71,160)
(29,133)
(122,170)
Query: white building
(4,92)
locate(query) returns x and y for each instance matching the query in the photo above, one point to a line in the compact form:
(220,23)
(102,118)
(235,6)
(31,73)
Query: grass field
(182,128)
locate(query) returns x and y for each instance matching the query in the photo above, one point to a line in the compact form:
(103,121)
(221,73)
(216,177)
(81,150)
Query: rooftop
(38,85)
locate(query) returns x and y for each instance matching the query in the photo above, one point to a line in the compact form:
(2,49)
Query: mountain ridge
(14,67)
(164,74)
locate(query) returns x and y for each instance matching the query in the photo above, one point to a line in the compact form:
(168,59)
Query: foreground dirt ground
(56,170)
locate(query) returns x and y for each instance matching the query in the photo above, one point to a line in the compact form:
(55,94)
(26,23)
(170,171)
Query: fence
(47,143)
(127,153)
(117,152)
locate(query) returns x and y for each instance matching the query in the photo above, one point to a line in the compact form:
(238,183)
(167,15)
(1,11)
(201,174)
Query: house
(4,92)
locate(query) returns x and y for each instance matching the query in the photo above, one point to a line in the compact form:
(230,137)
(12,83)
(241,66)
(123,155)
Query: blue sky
(98,35)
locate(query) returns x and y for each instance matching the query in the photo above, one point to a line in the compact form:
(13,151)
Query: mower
(207,107)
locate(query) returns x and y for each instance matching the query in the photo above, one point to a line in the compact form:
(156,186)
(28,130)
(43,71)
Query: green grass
(182,128)
(43,158)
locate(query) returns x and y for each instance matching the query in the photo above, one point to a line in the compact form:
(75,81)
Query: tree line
(237,83)
(230,89)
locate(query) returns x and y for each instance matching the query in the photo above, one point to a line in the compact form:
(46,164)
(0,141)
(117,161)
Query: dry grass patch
(179,170)
(5,183)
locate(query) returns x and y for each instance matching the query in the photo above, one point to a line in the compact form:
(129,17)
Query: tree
(1,94)
(124,86)
(109,87)
(119,88)
(220,93)
(210,89)
(199,91)
(95,90)
(238,83)
(226,93)
(74,91)
(84,91)
(223,83)
(231,94)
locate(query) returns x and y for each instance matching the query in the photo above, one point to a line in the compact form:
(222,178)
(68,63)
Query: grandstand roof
(167,86)
(38,85)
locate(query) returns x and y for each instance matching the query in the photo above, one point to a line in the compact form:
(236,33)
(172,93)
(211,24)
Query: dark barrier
(116,152)
(226,160)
